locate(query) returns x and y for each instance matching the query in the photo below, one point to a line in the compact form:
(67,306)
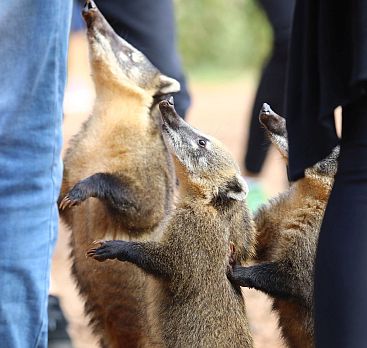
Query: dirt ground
(219,109)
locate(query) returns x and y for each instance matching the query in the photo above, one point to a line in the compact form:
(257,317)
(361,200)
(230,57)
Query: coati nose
(266,113)
(89,4)
(265,109)
(271,121)
(169,114)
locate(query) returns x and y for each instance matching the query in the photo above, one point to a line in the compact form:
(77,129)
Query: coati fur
(192,302)
(119,172)
(288,227)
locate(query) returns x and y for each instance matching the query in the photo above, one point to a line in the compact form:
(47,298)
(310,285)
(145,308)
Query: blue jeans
(33,52)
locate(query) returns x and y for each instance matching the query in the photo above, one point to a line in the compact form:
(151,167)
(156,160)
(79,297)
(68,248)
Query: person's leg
(150,27)
(33,52)
(340,274)
(272,83)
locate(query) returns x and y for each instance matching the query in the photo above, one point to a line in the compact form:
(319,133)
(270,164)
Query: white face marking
(171,139)
(102,41)
(174,145)
(194,144)
(103,48)
(208,145)
(136,57)
(123,57)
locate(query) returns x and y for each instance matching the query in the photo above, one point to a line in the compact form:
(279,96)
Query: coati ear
(167,85)
(237,188)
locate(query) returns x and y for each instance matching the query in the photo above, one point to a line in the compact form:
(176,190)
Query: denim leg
(33,51)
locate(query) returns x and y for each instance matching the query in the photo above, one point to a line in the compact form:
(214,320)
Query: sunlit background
(223,45)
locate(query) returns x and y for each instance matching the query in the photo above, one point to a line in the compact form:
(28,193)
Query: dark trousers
(341,262)
(272,83)
(150,27)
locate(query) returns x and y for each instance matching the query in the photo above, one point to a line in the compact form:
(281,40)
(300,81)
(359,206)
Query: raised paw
(75,196)
(111,249)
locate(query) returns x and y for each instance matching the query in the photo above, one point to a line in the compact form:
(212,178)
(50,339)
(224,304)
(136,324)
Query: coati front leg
(269,278)
(151,257)
(105,186)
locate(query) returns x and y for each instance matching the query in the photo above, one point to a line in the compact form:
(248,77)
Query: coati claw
(77,194)
(95,254)
(99,241)
(67,202)
(90,252)
(111,249)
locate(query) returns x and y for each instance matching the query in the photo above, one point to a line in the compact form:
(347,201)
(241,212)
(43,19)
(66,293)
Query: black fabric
(327,68)
(341,277)
(271,88)
(150,27)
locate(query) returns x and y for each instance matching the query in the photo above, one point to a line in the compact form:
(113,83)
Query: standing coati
(288,228)
(120,159)
(192,302)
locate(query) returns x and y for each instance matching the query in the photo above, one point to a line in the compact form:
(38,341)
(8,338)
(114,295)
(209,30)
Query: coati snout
(118,61)
(275,127)
(205,162)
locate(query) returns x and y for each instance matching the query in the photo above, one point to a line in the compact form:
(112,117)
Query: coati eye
(202,142)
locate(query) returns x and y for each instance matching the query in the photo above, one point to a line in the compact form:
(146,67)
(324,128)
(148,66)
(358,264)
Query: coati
(192,302)
(119,171)
(288,228)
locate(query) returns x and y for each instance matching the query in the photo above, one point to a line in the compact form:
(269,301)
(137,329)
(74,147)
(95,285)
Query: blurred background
(223,45)
(222,39)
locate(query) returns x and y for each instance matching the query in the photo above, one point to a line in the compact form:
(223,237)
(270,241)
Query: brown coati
(288,227)
(119,171)
(192,302)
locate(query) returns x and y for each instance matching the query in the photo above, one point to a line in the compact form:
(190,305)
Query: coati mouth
(271,121)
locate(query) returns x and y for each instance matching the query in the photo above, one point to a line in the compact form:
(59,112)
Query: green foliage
(221,35)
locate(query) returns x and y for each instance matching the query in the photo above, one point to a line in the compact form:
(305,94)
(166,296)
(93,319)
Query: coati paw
(110,249)
(66,203)
(232,273)
(74,197)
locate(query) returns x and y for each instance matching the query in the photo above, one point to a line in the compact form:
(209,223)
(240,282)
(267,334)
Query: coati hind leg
(266,277)
(151,257)
(105,186)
